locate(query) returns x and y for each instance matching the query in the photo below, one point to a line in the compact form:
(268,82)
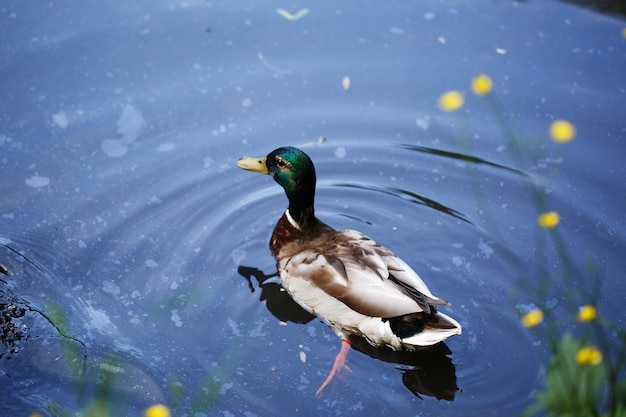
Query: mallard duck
(356,285)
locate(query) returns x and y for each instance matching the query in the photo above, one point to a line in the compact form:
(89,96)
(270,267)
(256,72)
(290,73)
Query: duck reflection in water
(426,371)
(360,288)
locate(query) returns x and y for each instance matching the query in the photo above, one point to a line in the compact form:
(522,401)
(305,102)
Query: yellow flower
(482,84)
(589,355)
(451,101)
(532,318)
(548,220)
(587,313)
(562,131)
(624,33)
(157,410)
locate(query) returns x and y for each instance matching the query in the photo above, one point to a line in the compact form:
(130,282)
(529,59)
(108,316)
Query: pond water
(135,259)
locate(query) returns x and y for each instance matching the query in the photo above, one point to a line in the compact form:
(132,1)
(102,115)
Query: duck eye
(281,162)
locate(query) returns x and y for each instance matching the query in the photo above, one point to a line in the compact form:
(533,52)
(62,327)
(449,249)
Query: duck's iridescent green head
(293,170)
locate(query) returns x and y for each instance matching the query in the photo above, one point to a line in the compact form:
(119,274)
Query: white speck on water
(135,294)
(246,102)
(114,147)
(37,181)
(302,356)
(345,83)
(311,331)
(258,330)
(485,249)
(551,303)
(525,308)
(9,216)
(129,127)
(130,124)
(500,148)
(233,327)
(155,200)
(429,16)
(396,31)
(82,244)
(166,147)
(176,318)
(225,387)
(151,263)
(110,287)
(238,255)
(340,152)
(423,122)
(60,119)
(98,320)
(357,407)
(457,260)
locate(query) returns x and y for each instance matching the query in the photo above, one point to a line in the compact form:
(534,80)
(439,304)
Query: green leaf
(571,389)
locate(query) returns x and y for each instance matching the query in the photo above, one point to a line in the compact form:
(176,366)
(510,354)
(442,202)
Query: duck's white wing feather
(354,269)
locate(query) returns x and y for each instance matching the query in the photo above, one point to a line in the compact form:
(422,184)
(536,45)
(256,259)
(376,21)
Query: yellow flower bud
(482,84)
(532,318)
(562,131)
(589,356)
(157,410)
(548,220)
(451,101)
(587,313)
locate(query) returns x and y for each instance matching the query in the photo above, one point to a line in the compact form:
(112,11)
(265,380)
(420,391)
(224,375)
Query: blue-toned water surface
(134,252)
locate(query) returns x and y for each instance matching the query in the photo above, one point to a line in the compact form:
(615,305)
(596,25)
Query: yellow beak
(253,164)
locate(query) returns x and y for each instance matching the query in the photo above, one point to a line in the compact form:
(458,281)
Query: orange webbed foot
(340,360)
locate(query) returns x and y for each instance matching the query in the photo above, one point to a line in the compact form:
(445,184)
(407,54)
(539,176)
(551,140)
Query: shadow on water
(462,157)
(611,7)
(277,300)
(428,371)
(408,196)
(425,201)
